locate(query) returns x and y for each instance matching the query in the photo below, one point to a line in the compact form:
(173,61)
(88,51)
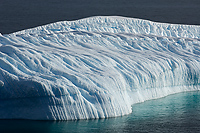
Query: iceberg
(96,67)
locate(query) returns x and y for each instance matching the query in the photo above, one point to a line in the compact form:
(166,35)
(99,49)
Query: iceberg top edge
(116,24)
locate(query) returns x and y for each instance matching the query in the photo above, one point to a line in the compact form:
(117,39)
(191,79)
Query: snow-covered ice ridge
(95,67)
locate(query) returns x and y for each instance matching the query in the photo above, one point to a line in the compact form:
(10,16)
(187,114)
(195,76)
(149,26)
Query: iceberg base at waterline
(95,67)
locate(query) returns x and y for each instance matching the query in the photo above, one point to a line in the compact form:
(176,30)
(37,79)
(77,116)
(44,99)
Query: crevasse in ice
(95,67)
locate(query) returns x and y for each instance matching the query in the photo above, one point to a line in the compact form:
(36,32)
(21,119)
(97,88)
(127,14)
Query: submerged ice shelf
(95,67)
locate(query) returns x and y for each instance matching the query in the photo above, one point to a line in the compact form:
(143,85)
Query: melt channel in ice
(95,67)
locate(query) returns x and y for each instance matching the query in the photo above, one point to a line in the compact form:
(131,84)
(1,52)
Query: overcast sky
(16,15)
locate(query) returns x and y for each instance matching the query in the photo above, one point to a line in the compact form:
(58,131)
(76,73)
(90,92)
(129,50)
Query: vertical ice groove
(95,67)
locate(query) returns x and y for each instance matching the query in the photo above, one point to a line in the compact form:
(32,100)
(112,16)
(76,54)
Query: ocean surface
(172,114)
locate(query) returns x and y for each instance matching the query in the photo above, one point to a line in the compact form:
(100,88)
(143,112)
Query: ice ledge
(54,108)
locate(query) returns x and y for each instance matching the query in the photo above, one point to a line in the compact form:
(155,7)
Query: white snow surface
(96,67)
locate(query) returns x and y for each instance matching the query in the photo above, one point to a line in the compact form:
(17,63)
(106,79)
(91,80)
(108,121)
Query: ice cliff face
(95,67)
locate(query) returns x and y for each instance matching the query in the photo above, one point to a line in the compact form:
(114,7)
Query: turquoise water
(175,113)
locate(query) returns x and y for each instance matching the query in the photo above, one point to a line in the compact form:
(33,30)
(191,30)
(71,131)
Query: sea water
(174,113)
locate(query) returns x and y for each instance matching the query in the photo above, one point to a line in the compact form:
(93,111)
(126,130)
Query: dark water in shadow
(16,15)
(172,114)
